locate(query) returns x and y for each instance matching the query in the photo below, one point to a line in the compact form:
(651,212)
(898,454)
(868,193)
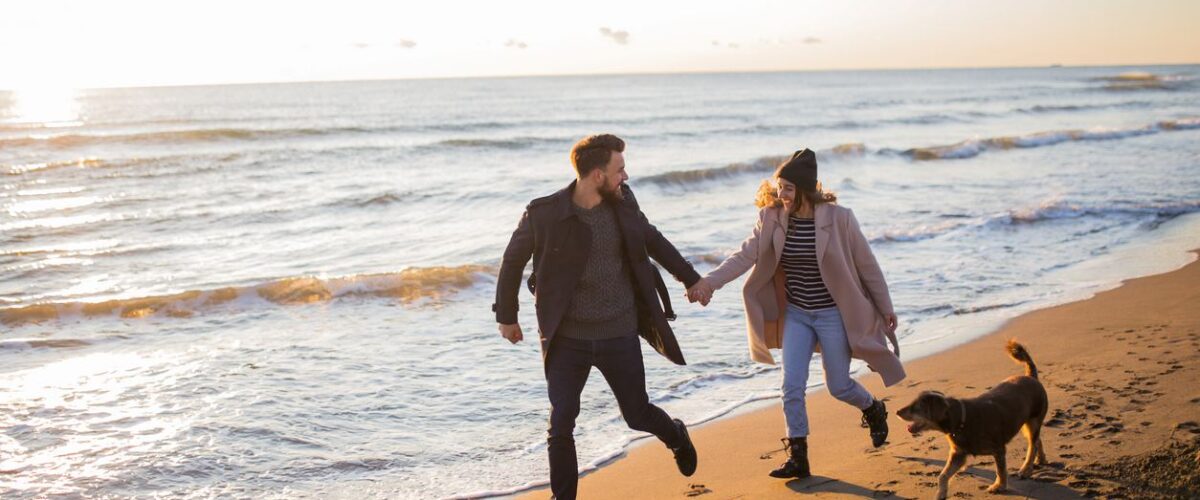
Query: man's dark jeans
(567,368)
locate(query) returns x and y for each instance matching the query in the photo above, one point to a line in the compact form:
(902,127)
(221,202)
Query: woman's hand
(892,323)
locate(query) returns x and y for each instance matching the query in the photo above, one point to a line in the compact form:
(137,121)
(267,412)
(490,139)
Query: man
(595,291)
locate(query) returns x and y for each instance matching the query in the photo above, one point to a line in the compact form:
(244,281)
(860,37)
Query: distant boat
(1056,65)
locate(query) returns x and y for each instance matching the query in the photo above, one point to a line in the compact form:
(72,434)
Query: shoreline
(747,438)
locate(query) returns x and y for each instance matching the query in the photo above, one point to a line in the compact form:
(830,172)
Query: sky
(80,44)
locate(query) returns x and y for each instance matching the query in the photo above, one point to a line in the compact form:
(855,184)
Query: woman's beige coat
(849,271)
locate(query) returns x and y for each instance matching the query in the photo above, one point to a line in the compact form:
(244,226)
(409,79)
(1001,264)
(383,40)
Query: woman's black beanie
(801,170)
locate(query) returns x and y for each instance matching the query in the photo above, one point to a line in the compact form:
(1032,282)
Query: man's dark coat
(559,243)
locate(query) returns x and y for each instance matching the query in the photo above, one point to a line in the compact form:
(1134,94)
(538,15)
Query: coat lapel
(823,219)
(779,236)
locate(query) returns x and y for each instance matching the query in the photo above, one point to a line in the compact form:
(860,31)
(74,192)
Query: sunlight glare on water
(112,410)
(46,106)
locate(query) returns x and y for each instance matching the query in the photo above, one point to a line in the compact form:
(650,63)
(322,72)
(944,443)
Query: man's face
(612,176)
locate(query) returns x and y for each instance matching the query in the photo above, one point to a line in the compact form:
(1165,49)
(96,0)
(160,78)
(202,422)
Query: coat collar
(822,216)
(822,219)
(562,200)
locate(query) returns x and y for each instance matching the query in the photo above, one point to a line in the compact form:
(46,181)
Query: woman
(814,284)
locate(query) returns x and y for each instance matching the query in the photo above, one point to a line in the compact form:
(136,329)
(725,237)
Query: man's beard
(613,196)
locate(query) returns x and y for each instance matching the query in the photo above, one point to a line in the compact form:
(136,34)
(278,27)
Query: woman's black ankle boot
(797,463)
(875,418)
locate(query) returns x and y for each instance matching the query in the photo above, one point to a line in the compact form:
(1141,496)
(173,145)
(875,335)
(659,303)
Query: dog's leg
(1031,435)
(1037,440)
(955,462)
(1001,483)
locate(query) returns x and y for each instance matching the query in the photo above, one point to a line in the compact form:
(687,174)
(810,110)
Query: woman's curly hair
(766,195)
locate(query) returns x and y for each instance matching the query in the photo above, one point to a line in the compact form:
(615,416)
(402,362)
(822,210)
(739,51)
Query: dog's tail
(1018,352)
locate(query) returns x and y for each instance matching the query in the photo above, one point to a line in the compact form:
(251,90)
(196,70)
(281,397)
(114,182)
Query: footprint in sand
(697,490)
(1083,483)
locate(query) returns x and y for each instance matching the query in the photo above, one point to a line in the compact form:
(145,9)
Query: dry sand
(1122,370)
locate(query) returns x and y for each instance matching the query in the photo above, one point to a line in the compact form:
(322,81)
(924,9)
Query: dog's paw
(996,488)
(1025,473)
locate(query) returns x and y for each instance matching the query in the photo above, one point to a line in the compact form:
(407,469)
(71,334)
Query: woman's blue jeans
(802,331)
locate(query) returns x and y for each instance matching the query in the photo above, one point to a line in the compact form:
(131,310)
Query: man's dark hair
(595,151)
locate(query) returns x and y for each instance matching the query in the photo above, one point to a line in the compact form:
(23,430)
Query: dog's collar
(962,422)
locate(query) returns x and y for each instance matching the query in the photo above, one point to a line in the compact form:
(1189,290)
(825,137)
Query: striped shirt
(805,289)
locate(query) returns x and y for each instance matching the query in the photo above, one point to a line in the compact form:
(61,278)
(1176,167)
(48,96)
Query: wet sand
(1122,370)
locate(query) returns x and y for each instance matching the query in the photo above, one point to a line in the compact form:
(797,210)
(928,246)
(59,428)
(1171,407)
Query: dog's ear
(936,406)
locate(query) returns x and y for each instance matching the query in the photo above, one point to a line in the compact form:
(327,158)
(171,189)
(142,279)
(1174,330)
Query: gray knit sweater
(602,306)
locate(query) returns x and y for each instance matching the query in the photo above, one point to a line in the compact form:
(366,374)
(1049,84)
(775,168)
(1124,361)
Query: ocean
(284,290)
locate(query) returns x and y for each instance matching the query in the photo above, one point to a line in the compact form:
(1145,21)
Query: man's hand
(512,332)
(701,292)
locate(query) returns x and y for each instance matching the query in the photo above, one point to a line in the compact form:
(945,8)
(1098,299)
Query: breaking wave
(1061,210)
(764,164)
(1046,211)
(178,136)
(1140,80)
(1058,108)
(407,286)
(512,143)
(974,147)
(89,162)
(959,150)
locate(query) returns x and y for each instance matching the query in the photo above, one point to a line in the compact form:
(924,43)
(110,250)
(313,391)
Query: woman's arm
(740,261)
(871,275)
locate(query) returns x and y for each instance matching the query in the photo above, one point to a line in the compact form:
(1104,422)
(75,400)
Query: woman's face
(786,191)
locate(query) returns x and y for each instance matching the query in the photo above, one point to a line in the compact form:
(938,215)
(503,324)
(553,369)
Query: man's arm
(663,252)
(508,283)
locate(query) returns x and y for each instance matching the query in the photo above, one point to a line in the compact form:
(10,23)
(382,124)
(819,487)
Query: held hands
(512,332)
(701,292)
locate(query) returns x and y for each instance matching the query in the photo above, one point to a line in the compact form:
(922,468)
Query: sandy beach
(1120,370)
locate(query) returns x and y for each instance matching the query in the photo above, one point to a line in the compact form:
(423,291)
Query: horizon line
(609,74)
